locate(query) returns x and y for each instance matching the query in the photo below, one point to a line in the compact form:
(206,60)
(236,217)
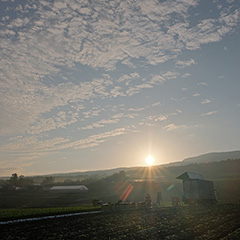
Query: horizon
(169,164)
(96,85)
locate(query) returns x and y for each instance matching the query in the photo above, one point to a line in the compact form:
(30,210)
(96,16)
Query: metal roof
(73,187)
(190,176)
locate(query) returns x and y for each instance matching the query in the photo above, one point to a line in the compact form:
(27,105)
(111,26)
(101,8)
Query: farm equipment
(126,206)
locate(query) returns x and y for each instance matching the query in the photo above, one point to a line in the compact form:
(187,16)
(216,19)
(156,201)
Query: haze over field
(91,85)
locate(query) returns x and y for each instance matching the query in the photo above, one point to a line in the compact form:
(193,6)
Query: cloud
(206,31)
(157,79)
(100,35)
(100,123)
(47,46)
(117,91)
(22,107)
(126,77)
(202,84)
(61,120)
(185,75)
(136,109)
(178,110)
(34,144)
(209,113)
(230,19)
(129,113)
(158,118)
(138,88)
(196,94)
(183,64)
(156,104)
(170,75)
(205,101)
(172,127)
(94,112)
(95,140)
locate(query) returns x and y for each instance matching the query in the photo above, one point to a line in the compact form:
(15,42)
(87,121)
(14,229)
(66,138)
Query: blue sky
(102,84)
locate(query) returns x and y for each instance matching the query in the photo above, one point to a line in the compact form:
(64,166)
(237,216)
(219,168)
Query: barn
(197,189)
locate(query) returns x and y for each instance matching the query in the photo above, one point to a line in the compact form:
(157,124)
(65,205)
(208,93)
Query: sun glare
(149,160)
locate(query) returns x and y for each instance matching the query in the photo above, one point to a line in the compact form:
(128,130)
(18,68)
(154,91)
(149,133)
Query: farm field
(188,222)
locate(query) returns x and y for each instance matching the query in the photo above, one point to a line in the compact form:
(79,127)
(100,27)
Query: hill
(212,157)
(228,169)
(204,158)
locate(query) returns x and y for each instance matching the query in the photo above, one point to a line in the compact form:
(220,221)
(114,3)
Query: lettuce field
(186,222)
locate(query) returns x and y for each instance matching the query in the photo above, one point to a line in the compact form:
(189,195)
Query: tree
(20,181)
(14,179)
(48,181)
(24,182)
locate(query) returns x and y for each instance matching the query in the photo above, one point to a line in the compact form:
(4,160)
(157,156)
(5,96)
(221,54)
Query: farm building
(196,189)
(73,188)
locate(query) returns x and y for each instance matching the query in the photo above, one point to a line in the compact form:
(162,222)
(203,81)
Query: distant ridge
(204,158)
(212,157)
(92,173)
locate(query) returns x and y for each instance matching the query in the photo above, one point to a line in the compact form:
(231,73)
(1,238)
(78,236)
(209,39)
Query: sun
(149,160)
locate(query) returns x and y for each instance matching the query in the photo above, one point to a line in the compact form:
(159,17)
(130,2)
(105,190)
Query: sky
(100,84)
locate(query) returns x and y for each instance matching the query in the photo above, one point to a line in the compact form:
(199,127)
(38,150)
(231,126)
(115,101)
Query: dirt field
(196,222)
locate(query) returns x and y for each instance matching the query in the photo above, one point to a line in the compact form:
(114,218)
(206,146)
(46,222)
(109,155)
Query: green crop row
(7,214)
